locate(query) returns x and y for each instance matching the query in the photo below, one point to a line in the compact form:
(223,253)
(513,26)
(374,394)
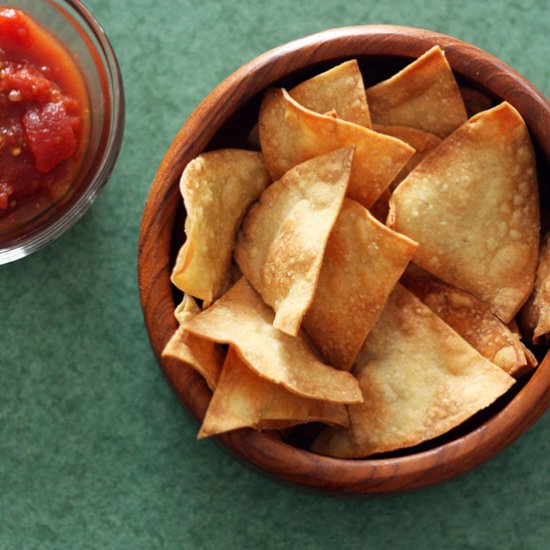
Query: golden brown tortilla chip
(422,142)
(339,89)
(536,313)
(245,400)
(202,355)
(283,238)
(423,95)
(291,134)
(336,442)
(474,322)
(419,379)
(217,188)
(363,261)
(240,318)
(472,205)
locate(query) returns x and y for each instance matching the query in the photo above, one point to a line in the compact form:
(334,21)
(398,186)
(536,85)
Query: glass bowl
(73,24)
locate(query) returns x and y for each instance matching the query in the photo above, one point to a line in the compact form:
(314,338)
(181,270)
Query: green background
(95,450)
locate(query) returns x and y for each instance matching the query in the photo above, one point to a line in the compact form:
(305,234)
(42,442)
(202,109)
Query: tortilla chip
(475,323)
(419,379)
(423,95)
(475,101)
(363,262)
(336,442)
(472,205)
(281,244)
(217,188)
(339,89)
(202,355)
(536,313)
(245,400)
(187,309)
(240,318)
(291,134)
(422,142)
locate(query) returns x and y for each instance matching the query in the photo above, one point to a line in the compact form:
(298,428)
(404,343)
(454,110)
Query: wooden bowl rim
(367,476)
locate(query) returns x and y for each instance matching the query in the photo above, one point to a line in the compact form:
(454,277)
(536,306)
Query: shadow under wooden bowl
(224,119)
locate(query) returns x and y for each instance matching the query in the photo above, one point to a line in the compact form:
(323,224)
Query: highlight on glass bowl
(338,259)
(61,120)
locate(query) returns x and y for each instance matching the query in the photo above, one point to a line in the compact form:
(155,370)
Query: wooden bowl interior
(286,454)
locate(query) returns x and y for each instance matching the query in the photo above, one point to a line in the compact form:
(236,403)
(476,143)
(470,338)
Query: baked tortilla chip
(423,95)
(217,188)
(536,313)
(281,244)
(245,400)
(291,134)
(472,205)
(339,89)
(240,318)
(475,323)
(202,355)
(363,261)
(422,142)
(419,380)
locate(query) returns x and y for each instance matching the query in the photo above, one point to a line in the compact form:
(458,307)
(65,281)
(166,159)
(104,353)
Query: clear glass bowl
(77,28)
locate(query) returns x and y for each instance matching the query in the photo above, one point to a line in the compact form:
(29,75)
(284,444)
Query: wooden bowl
(224,119)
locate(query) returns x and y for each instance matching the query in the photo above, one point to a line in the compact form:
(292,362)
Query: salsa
(44,118)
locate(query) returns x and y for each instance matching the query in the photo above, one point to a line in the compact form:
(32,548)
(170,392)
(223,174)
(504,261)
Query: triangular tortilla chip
(474,322)
(419,380)
(472,205)
(202,355)
(240,318)
(339,89)
(245,400)
(423,95)
(291,134)
(363,262)
(281,244)
(217,188)
(536,313)
(422,142)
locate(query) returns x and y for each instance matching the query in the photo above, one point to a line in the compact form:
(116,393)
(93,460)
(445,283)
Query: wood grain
(375,47)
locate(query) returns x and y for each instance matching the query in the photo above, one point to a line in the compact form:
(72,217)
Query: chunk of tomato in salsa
(43,111)
(49,135)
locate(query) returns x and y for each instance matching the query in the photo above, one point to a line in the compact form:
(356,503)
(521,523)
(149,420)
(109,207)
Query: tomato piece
(49,135)
(14,31)
(24,84)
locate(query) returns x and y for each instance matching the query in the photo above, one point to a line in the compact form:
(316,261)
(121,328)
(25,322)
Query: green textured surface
(95,451)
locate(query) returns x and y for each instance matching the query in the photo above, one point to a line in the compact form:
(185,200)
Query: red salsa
(44,118)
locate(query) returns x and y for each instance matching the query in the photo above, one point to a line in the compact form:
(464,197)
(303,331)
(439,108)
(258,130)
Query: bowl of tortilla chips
(343,265)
